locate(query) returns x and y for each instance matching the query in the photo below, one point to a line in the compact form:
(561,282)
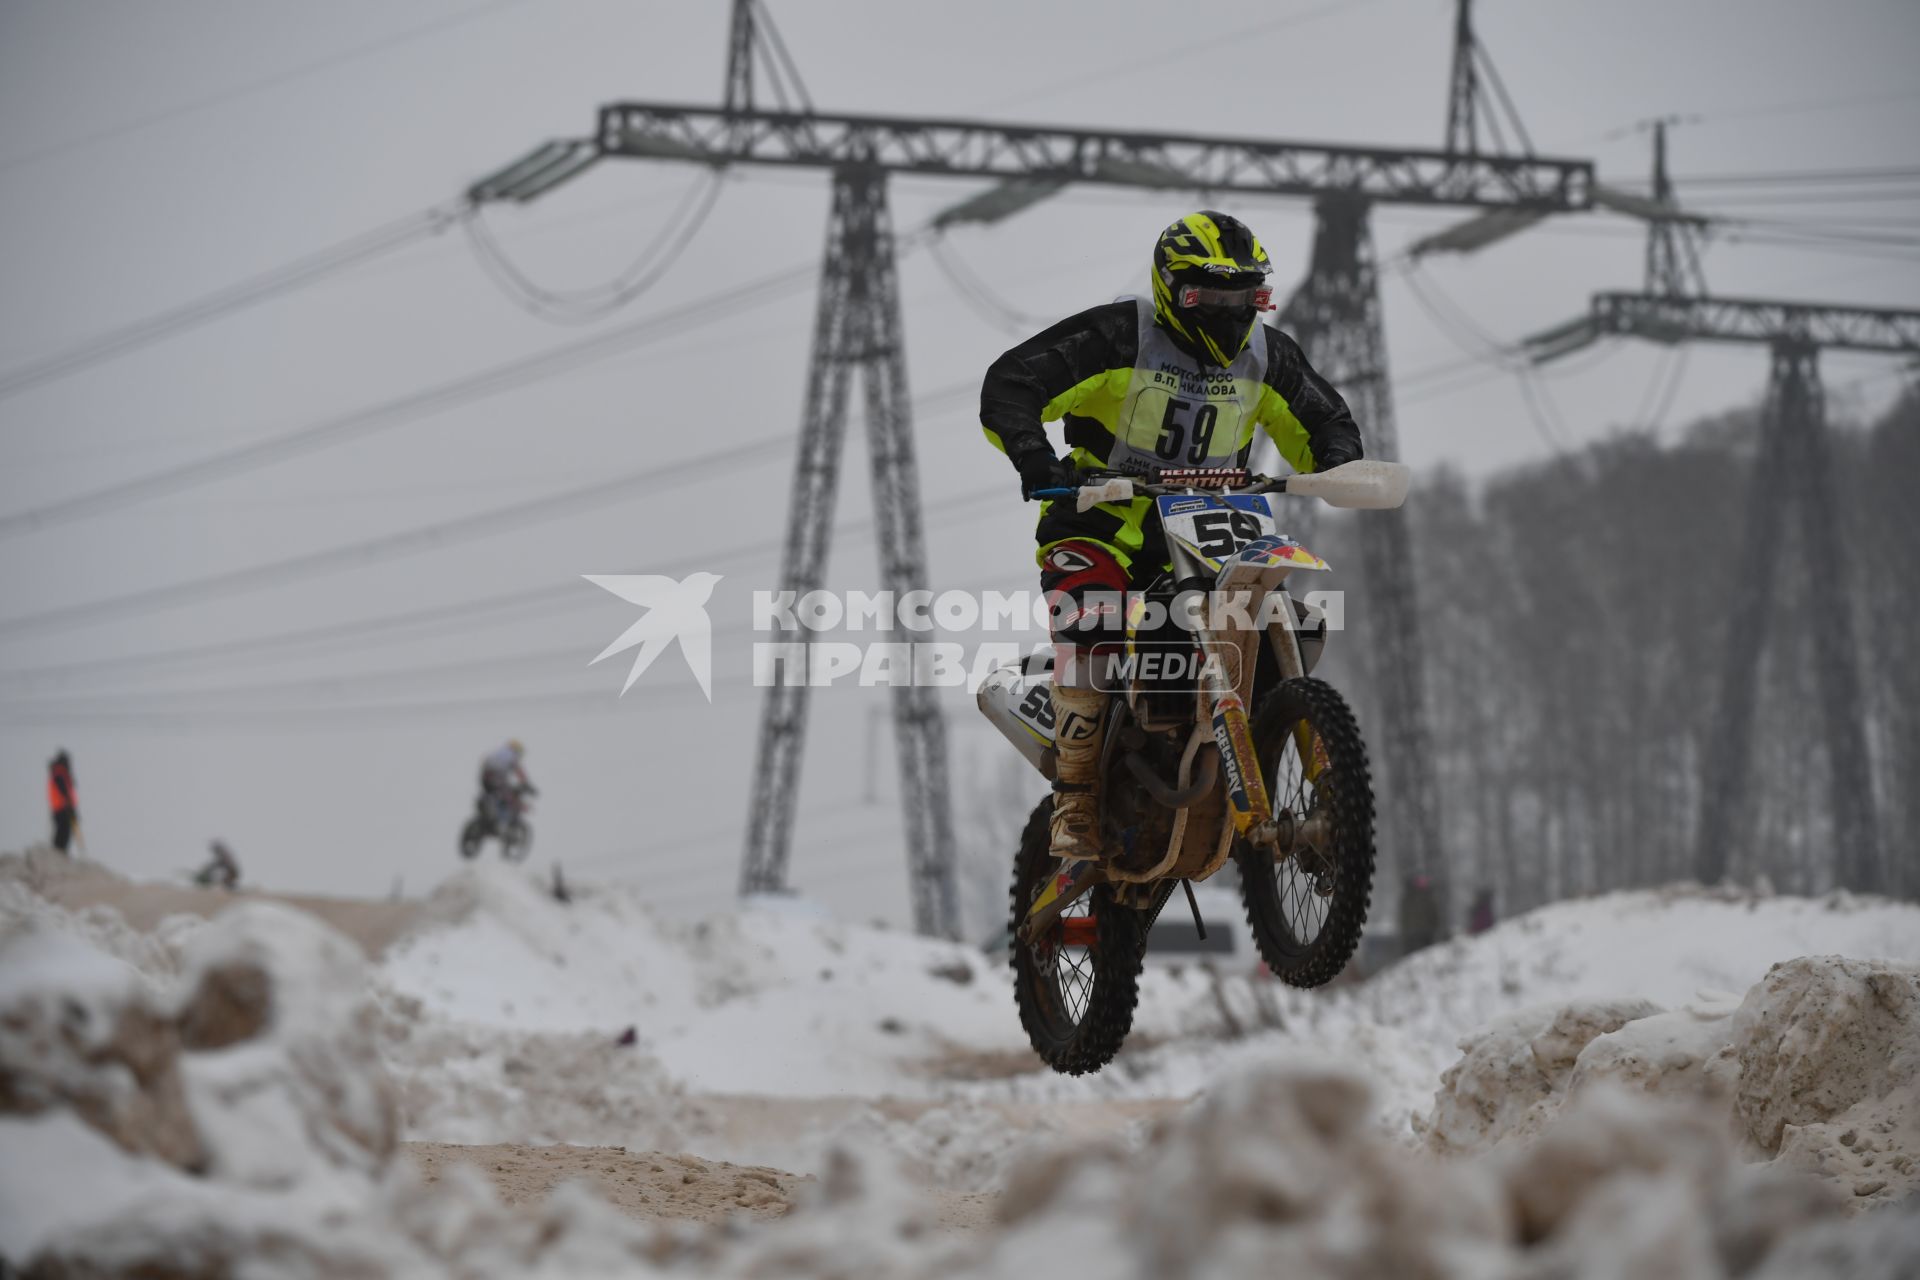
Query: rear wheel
(470,837)
(516,841)
(1077,984)
(1307,908)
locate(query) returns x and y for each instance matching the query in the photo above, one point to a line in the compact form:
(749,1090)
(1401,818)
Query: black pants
(63,829)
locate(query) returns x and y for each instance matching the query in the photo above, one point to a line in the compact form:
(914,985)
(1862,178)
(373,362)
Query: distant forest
(1575,618)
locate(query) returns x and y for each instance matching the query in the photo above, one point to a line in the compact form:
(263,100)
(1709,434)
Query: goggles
(1189,296)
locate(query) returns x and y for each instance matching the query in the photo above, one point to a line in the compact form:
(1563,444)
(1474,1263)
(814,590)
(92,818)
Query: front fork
(1240,764)
(1246,781)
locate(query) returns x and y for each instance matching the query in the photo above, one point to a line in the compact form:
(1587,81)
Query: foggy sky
(107,219)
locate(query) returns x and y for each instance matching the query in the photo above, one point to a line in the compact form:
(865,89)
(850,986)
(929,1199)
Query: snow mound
(1669,946)
(247,1088)
(1829,1071)
(1818,1067)
(1513,1076)
(238,1114)
(23,908)
(1283,1167)
(836,1009)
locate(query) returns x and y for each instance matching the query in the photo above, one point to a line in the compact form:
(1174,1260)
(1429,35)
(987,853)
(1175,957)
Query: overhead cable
(722,305)
(401,410)
(585,306)
(347,253)
(430,537)
(148,119)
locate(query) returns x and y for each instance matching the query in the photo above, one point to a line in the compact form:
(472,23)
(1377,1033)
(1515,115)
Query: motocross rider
(1177,379)
(501,775)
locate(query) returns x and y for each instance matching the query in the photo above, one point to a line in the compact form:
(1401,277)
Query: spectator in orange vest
(60,800)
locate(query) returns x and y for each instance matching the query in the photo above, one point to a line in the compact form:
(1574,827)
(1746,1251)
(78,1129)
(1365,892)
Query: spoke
(1071,969)
(1303,909)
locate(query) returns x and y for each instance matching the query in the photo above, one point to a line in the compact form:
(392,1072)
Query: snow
(766,1001)
(1628,1085)
(1828,1054)
(48,1157)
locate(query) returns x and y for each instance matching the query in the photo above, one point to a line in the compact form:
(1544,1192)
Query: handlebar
(1362,485)
(1160,481)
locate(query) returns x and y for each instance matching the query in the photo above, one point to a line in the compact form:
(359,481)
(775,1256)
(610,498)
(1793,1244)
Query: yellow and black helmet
(1210,284)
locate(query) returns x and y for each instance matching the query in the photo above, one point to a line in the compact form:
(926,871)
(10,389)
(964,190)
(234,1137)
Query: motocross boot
(1079,729)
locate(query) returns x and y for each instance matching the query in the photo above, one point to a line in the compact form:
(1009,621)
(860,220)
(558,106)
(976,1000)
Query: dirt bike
(1190,779)
(515,836)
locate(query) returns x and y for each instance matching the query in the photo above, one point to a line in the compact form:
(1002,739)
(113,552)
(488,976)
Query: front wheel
(1308,906)
(1077,984)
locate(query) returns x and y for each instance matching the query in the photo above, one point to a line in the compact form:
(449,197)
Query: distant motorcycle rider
(502,778)
(1180,378)
(222,870)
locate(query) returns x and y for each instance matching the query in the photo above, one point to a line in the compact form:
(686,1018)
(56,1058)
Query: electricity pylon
(1792,482)
(859,324)
(1336,316)
(1792,489)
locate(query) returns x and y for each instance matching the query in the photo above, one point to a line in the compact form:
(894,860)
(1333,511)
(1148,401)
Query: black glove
(1041,470)
(1339,453)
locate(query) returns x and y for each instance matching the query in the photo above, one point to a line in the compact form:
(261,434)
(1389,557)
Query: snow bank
(234,1117)
(763,1001)
(243,1094)
(1282,1170)
(512,1000)
(1818,1067)
(1513,1076)
(1670,946)
(235,1109)
(1829,1072)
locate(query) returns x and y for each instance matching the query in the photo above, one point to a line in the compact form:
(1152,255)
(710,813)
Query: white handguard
(1366,485)
(1118,489)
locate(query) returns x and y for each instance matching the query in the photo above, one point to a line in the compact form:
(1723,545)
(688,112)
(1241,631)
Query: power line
(980,297)
(1817,104)
(331,688)
(426,620)
(1451,318)
(281,719)
(209,307)
(1762,110)
(584,306)
(1732,234)
(251,87)
(1784,177)
(430,537)
(1827,231)
(411,677)
(298,273)
(1659,418)
(402,409)
(1162,59)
